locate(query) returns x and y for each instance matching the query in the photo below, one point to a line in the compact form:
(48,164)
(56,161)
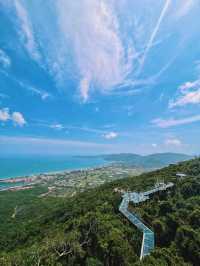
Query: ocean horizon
(20,166)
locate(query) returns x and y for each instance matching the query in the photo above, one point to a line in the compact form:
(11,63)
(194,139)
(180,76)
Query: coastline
(27,180)
(65,171)
(23,167)
(69,182)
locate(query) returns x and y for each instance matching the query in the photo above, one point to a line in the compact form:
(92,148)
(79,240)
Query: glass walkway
(148,235)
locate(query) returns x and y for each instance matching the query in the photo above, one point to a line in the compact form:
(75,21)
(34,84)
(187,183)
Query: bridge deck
(148,241)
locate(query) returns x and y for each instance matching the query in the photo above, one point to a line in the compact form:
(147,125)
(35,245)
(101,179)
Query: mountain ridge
(151,161)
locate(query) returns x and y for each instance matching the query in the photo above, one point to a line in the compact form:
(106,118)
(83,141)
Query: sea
(20,166)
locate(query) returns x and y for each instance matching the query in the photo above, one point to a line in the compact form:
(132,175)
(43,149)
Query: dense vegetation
(88,229)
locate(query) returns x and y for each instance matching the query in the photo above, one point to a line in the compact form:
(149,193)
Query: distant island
(152,161)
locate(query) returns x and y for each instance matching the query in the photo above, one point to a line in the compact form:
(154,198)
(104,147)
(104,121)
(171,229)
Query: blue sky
(99,76)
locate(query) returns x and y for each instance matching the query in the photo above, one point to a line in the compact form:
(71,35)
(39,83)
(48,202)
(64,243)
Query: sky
(99,76)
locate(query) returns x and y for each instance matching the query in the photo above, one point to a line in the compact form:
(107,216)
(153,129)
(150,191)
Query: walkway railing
(148,241)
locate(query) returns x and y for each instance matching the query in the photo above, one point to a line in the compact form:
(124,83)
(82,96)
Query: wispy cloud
(50,146)
(110,135)
(154,145)
(102,59)
(101,132)
(154,34)
(165,123)
(26,30)
(43,94)
(91,44)
(57,126)
(5,60)
(86,129)
(189,94)
(188,98)
(173,142)
(136,86)
(61,126)
(85,87)
(189,85)
(104,132)
(185,7)
(16,117)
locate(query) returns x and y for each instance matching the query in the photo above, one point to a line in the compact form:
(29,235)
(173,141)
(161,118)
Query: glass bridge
(148,241)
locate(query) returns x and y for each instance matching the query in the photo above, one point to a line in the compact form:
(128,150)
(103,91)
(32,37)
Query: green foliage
(88,230)
(188,243)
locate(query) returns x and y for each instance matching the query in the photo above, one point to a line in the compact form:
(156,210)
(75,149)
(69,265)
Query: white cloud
(101,132)
(173,142)
(57,126)
(86,129)
(111,135)
(190,85)
(94,42)
(188,98)
(189,94)
(43,94)
(175,122)
(26,31)
(18,119)
(88,36)
(5,60)
(4,114)
(101,58)
(154,145)
(38,92)
(154,33)
(185,8)
(85,87)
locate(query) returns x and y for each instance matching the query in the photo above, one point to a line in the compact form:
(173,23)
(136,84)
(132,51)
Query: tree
(188,243)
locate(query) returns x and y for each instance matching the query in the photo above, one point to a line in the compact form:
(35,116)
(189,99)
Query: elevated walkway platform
(148,241)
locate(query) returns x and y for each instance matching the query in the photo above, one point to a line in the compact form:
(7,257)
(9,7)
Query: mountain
(156,160)
(88,229)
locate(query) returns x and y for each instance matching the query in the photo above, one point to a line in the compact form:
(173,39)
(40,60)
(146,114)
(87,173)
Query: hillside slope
(89,230)
(151,161)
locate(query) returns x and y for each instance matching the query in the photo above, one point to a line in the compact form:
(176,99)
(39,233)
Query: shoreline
(29,182)
(31,177)
(16,167)
(70,179)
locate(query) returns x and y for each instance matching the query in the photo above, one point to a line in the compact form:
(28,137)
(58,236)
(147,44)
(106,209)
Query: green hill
(156,160)
(88,229)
